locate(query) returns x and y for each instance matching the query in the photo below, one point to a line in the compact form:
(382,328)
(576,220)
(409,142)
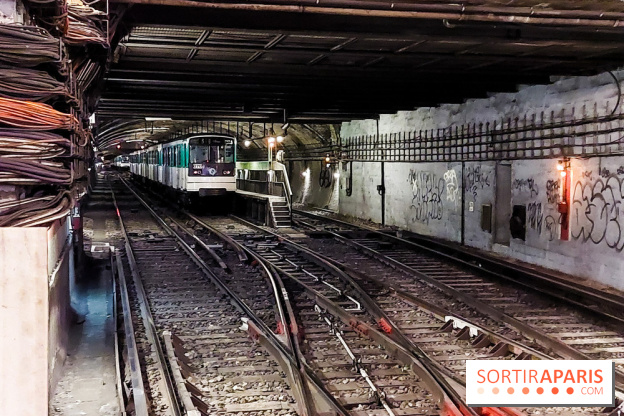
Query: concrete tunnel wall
(431,198)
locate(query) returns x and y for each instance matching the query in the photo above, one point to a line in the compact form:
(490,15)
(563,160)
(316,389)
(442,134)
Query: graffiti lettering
(552,191)
(526,185)
(597,212)
(475,180)
(588,174)
(535,216)
(605,173)
(452,188)
(550,224)
(427,191)
(620,170)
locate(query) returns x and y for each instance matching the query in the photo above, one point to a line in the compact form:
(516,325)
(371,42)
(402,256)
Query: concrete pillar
(34,319)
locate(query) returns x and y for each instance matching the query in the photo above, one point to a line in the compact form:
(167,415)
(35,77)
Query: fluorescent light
(157,118)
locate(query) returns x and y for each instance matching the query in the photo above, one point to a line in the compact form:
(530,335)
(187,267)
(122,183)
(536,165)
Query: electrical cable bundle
(32,172)
(28,45)
(34,145)
(30,85)
(33,211)
(34,116)
(82,25)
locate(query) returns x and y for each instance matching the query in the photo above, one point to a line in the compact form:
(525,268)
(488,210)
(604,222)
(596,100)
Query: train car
(122,162)
(199,165)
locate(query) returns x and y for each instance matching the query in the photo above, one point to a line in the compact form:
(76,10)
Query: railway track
(342,361)
(224,370)
(568,331)
(445,338)
(448,338)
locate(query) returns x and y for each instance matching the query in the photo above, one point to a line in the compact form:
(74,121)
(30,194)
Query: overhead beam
(460,12)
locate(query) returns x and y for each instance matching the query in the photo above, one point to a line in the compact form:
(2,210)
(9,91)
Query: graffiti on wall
(606,173)
(526,185)
(427,190)
(452,187)
(535,216)
(597,213)
(552,191)
(550,227)
(476,179)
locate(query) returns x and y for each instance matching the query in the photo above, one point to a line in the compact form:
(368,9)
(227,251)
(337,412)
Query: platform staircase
(280,211)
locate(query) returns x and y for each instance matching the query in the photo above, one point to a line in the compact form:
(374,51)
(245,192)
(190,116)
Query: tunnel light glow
(563,173)
(280,139)
(337,175)
(247,143)
(118,146)
(271,139)
(327,159)
(560,166)
(306,173)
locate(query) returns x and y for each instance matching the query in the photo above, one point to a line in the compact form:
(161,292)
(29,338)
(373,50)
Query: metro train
(196,166)
(122,162)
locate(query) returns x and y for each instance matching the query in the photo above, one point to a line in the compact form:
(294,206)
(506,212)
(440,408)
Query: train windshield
(212,150)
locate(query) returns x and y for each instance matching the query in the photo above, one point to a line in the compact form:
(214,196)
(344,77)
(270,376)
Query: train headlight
(197,172)
(227,172)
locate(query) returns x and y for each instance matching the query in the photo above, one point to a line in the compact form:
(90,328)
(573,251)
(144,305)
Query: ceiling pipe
(450,12)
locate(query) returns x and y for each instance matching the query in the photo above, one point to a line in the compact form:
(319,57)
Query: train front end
(211,165)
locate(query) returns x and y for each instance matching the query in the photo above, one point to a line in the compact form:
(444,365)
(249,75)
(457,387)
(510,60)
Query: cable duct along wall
(45,143)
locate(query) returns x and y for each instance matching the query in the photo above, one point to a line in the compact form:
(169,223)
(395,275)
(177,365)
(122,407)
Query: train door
(184,165)
(160,164)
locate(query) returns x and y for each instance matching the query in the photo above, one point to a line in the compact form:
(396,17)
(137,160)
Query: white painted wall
(420,198)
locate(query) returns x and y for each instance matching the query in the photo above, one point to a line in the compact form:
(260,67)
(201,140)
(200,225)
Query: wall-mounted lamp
(247,143)
(280,139)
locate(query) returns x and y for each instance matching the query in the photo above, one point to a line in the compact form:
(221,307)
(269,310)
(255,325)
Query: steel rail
(286,354)
(611,301)
(286,314)
(138,391)
(119,380)
(148,321)
(428,365)
(546,340)
(409,297)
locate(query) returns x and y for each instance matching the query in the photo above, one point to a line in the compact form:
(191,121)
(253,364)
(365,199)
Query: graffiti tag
(597,212)
(427,191)
(452,187)
(552,191)
(476,179)
(526,185)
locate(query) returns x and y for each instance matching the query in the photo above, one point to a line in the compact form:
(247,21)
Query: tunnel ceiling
(327,61)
